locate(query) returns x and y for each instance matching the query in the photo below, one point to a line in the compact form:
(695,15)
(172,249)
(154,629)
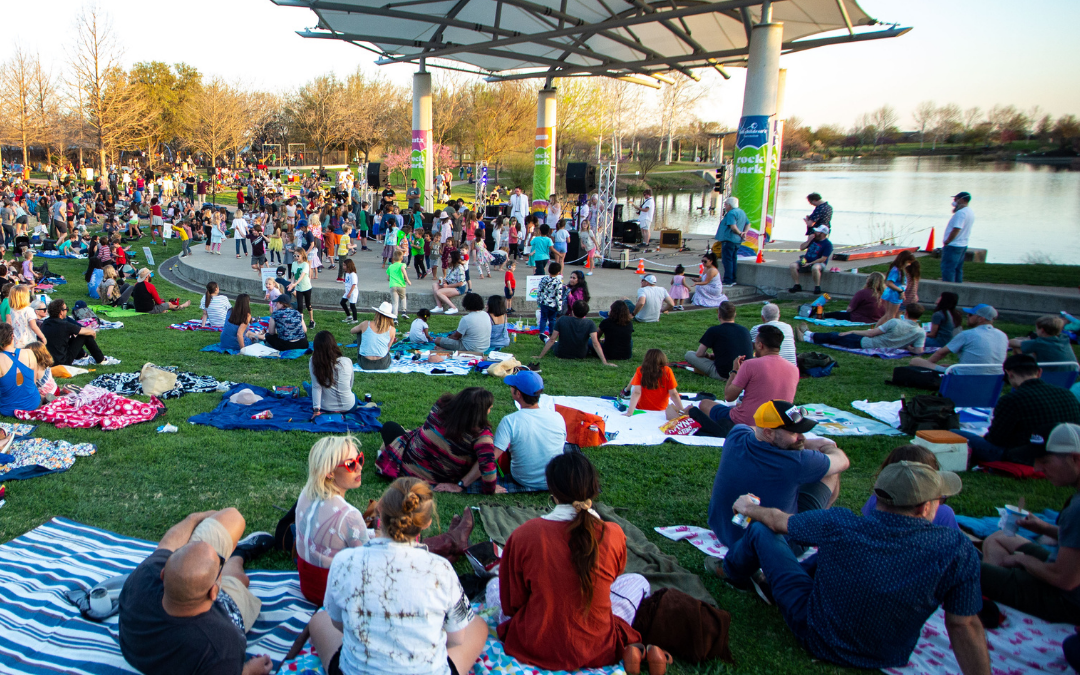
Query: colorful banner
(751,184)
(544,164)
(774,175)
(420,158)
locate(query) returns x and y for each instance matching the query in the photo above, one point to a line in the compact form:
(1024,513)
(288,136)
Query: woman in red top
(559,582)
(653,385)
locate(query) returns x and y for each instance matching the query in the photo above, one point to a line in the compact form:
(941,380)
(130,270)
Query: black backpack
(917,377)
(928,411)
(815,364)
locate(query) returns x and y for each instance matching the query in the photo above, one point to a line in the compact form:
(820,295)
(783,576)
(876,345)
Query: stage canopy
(635,39)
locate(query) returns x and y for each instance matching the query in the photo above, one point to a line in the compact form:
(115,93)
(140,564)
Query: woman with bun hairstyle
(393,607)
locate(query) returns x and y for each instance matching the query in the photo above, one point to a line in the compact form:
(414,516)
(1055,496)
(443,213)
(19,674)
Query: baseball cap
(1063,440)
(962,195)
(985,311)
(913,483)
(525,381)
(649,278)
(822,228)
(783,415)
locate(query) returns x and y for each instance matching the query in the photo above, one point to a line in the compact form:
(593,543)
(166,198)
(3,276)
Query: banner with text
(777,143)
(420,158)
(544,164)
(751,175)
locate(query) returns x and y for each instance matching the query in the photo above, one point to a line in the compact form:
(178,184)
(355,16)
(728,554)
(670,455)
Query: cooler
(950,449)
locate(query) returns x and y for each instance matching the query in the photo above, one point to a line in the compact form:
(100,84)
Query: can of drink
(367,398)
(513,337)
(741,520)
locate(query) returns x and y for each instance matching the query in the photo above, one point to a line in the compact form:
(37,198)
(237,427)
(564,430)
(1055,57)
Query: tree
(1066,130)
(165,92)
(55,129)
(924,118)
(678,101)
(320,114)
(398,161)
(827,136)
(501,118)
(883,120)
(971,118)
(648,156)
(376,111)
(16,100)
(947,121)
(216,120)
(796,140)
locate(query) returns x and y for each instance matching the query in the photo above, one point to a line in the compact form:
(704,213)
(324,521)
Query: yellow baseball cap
(783,415)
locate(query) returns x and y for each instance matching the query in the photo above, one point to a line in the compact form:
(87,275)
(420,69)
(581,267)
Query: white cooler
(950,449)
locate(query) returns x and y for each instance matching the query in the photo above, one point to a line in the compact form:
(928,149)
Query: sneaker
(311,325)
(395,322)
(254,545)
(797,288)
(603,314)
(452,310)
(800,332)
(588,274)
(679,308)
(404,316)
(110,361)
(543,338)
(84,361)
(347,319)
(438,310)
(715,566)
(763,587)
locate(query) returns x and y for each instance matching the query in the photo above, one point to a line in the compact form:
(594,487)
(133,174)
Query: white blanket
(976,420)
(641,429)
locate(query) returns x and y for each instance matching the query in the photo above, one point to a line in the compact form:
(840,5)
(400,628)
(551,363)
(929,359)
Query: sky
(968,52)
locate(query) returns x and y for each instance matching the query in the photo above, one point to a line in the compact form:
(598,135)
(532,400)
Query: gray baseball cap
(912,483)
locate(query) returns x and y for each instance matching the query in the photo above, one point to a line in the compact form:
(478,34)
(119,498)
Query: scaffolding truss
(605,219)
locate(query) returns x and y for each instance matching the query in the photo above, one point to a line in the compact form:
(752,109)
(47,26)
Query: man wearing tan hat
(876,578)
(1022,574)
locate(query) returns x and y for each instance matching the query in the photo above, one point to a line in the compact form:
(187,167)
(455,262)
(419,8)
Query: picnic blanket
(1022,645)
(261,324)
(405,345)
(971,419)
(41,632)
(642,556)
(18,430)
(835,422)
(984,526)
(57,254)
(641,429)
(186,383)
(290,414)
(100,324)
(880,353)
(448,367)
(702,538)
(834,322)
(114,312)
(33,457)
(511,485)
(287,354)
(94,407)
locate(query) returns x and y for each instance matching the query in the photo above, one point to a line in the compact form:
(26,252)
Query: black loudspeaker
(495,210)
(377,174)
(617,212)
(618,227)
(580,177)
(631,234)
(573,249)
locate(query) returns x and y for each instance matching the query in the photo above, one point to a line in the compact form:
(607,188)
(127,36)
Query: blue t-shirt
(818,249)
(879,578)
(736,217)
(982,344)
(289,324)
(774,476)
(229,338)
(541,248)
(945,516)
(898,278)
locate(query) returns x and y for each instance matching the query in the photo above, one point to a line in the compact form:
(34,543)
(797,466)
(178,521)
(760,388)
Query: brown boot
(452,543)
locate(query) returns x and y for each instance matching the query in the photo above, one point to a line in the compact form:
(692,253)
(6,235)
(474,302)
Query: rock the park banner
(420,158)
(752,175)
(543,164)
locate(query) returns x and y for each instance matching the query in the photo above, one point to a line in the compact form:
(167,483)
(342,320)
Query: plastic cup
(1013,515)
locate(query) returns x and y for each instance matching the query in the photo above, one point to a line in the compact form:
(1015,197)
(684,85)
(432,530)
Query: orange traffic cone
(640,266)
(588,261)
(930,242)
(701,269)
(760,256)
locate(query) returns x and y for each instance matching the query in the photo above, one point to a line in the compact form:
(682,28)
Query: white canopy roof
(516,39)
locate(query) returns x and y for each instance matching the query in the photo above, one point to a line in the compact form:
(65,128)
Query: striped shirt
(787,347)
(217,311)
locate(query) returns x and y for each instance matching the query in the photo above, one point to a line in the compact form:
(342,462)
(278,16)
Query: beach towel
(835,422)
(114,312)
(57,254)
(100,324)
(984,526)
(261,324)
(41,632)
(407,365)
(834,322)
(879,353)
(94,407)
(641,429)
(186,383)
(1022,645)
(33,457)
(406,345)
(18,430)
(289,414)
(702,538)
(976,420)
(287,354)
(642,556)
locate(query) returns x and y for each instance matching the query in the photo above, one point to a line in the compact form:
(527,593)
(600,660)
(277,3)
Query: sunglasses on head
(353,465)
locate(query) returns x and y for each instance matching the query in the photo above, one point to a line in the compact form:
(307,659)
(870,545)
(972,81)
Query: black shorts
(334,667)
(805,269)
(61,226)
(508,292)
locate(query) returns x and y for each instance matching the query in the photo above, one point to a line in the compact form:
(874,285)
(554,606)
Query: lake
(1023,213)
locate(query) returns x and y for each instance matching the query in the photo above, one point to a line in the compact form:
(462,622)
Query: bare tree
(924,118)
(678,102)
(216,119)
(883,120)
(16,100)
(971,118)
(374,107)
(648,156)
(503,118)
(320,114)
(947,121)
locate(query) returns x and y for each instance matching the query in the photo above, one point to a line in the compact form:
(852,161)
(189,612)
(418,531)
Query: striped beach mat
(41,632)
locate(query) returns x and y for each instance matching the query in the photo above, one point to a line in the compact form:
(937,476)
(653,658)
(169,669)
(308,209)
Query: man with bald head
(185,609)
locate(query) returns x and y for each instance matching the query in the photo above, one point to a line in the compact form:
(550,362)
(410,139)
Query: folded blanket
(835,422)
(93,407)
(287,354)
(641,429)
(833,322)
(642,556)
(114,312)
(41,632)
(289,414)
(33,457)
(447,367)
(100,324)
(880,353)
(186,383)
(971,419)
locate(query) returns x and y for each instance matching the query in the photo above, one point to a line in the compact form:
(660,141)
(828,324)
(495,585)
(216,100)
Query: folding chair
(970,385)
(1060,373)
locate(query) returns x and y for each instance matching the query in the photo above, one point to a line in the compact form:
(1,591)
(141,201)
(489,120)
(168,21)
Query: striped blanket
(40,632)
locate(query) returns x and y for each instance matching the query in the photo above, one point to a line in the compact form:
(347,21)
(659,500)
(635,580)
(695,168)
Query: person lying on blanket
(1034,579)
(898,333)
(565,602)
(186,608)
(393,607)
(876,579)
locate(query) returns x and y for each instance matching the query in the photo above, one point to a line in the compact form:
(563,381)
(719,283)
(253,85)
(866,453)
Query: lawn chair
(969,385)
(1060,373)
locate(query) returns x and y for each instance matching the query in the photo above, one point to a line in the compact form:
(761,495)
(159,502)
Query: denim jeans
(849,341)
(981,449)
(548,316)
(952,263)
(790,581)
(730,256)
(240,242)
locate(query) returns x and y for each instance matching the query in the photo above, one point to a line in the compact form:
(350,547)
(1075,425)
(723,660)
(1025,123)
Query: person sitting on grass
(574,335)
(653,386)
(17,366)
(981,343)
(914,453)
(496,310)
(898,333)
(286,329)
(391,606)
(877,578)
(43,378)
(375,339)
(452,284)
(766,377)
(528,439)
(866,305)
(215,306)
(1029,577)
(770,316)
(566,603)
(146,299)
(473,332)
(67,341)
(326,524)
(235,334)
(186,608)
(450,450)
(727,341)
(1048,345)
(331,376)
(774,461)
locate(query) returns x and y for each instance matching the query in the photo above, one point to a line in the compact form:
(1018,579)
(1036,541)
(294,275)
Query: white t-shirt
(645,218)
(654,302)
(416,331)
(215,313)
(962,220)
(533,436)
(239,228)
(352,290)
(787,347)
(396,602)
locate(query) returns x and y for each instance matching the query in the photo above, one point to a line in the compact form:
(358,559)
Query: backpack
(684,626)
(916,377)
(582,429)
(928,411)
(815,364)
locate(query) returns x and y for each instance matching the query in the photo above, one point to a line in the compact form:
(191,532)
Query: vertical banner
(774,175)
(543,165)
(751,175)
(420,159)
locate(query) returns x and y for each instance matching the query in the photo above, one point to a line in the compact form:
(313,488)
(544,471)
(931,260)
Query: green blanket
(114,312)
(642,556)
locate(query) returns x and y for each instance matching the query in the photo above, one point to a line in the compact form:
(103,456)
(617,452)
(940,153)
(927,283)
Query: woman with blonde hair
(393,607)
(325,523)
(43,378)
(866,305)
(22,318)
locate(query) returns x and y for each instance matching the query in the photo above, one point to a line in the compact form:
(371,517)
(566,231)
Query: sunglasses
(353,465)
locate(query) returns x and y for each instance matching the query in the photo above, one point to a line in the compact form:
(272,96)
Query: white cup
(100,602)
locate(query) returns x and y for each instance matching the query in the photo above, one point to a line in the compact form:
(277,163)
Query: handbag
(582,429)
(156,381)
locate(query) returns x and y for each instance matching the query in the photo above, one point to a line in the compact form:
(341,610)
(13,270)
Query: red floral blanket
(94,407)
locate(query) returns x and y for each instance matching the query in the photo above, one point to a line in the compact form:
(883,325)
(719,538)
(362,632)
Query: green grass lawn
(1067,276)
(141,482)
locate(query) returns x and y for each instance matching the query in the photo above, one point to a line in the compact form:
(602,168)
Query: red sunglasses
(353,465)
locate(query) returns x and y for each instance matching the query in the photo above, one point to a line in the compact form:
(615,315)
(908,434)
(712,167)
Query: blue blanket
(987,525)
(833,322)
(880,353)
(290,414)
(287,354)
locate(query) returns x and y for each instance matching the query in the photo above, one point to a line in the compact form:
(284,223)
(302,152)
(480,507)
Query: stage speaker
(574,250)
(580,177)
(377,174)
(670,239)
(617,212)
(495,210)
(631,233)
